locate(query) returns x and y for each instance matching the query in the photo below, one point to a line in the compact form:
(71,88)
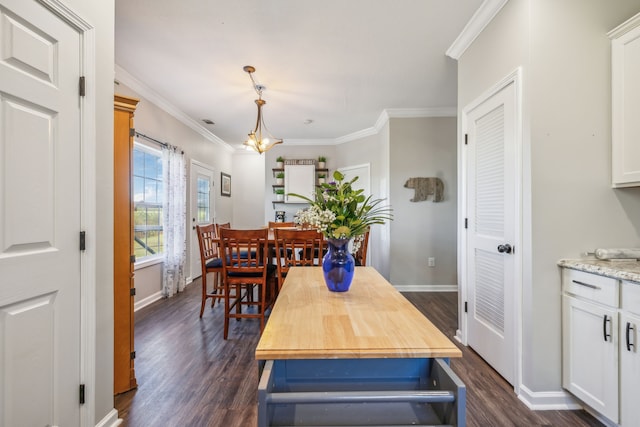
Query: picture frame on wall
(225,184)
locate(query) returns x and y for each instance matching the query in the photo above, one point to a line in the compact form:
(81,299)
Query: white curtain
(174,207)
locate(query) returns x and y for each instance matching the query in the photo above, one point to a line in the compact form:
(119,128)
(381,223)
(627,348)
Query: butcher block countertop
(623,270)
(371,320)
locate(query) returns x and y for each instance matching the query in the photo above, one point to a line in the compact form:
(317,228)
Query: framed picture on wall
(225,184)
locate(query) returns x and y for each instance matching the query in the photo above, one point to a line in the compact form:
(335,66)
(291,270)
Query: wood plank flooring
(189,376)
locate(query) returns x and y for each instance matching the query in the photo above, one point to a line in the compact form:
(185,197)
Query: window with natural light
(147,202)
(204,200)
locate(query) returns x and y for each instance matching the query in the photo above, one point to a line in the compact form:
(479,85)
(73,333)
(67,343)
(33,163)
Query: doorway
(202,208)
(490,248)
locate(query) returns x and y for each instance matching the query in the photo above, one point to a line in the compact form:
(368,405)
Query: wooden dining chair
(210,262)
(245,269)
(297,248)
(272,226)
(361,254)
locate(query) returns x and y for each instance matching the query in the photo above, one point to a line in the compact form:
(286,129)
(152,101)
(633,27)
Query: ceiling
(336,63)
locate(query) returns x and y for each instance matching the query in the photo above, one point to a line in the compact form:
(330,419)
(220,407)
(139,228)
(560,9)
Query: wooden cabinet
(124,377)
(601,363)
(589,321)
(625,105)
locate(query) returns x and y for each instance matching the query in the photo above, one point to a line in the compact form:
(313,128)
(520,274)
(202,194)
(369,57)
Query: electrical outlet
(431,262)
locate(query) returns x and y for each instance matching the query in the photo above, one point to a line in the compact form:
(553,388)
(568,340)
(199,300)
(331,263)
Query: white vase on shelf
(321,165)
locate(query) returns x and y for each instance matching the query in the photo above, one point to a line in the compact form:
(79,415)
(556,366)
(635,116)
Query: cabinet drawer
(630,299)
(600,289)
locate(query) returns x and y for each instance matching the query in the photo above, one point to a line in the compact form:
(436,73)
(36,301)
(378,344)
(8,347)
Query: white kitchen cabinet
(590,353)
(600,355)
(299,179)
(625,108)
(629,355)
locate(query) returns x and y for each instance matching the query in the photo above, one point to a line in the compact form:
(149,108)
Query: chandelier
(260,139)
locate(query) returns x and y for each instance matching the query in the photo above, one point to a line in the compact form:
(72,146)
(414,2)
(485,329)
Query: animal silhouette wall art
(425,187)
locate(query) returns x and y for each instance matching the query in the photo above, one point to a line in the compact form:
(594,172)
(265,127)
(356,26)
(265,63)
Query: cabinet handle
(577,282)
(629,343)
(605,320)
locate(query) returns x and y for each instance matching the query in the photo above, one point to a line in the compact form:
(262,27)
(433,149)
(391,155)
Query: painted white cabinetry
(629,355)
(590,340)
(299,179)
(601,358)
(625,108)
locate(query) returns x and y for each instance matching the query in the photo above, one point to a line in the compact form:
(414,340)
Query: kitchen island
(363,357)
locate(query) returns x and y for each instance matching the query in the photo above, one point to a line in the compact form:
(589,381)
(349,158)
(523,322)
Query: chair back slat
(244,251)
(207,241)
(297,248)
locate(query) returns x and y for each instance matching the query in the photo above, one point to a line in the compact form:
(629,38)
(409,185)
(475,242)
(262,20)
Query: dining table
(362,357)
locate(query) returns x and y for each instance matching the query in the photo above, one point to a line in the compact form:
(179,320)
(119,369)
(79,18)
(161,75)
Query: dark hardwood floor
(189,376)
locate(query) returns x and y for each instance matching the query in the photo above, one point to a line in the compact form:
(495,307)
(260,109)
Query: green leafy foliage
(339,211)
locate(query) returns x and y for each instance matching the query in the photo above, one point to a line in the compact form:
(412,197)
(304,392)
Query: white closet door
(40,217)
(491,229)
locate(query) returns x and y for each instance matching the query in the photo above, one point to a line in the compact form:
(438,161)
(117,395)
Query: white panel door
(39,217)
(202,209)
(490,193)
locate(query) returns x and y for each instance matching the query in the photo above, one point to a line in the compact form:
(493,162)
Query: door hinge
(82,86)
(466,138)
(132,291)
(133,355)
(132,259)
(465,306)
(82,394)
(132,132)
(466,223)
(83,240)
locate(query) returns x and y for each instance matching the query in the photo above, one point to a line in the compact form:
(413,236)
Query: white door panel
(39,217)
(490,193)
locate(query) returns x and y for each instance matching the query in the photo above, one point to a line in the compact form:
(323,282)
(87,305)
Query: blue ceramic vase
(338,265)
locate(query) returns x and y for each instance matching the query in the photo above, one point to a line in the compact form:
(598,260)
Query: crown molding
(145,91)
(483,16)
(625,27)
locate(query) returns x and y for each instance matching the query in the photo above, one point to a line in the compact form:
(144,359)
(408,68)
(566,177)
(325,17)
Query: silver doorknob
(504,249)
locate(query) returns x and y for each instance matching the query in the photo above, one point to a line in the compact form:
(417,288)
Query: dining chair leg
(226,311)
(204,293)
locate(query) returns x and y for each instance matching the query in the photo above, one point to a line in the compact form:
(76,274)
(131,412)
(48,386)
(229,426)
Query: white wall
(247,190)
(569,207)
(423,147)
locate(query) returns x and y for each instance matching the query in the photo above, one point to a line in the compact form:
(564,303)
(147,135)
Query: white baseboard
(426,288)
(188,281)
(458,337)
(548,400)
(146,301)
(110,420)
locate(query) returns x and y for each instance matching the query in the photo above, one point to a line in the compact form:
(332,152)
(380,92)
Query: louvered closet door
(491,227)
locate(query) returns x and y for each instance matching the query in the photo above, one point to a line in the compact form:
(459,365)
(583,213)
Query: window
(204,199)
(147,202)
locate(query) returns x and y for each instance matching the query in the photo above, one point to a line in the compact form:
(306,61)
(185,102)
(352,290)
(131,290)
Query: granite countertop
(623,270)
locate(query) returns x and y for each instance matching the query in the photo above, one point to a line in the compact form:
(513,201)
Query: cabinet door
(590,354)
(299,179)
(625,84)
(629,369)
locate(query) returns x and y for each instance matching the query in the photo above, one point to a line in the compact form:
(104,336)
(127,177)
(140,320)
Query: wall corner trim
(483,16)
